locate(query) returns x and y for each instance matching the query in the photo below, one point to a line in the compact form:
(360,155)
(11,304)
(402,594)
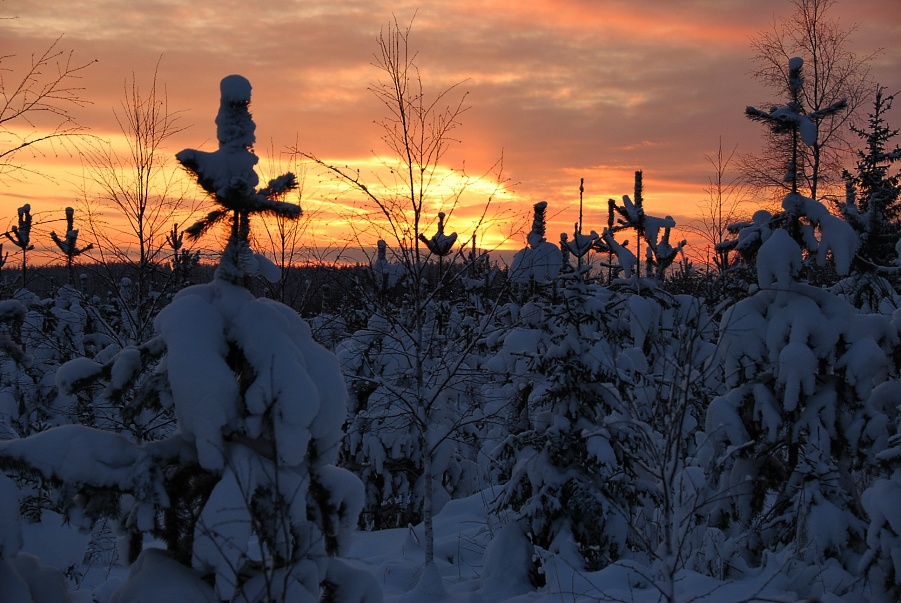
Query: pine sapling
(20,235)
(69,244)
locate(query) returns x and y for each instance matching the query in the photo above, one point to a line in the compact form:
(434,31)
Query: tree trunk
(427,505)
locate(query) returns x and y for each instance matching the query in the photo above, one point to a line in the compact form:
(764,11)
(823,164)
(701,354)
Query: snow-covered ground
(469,567)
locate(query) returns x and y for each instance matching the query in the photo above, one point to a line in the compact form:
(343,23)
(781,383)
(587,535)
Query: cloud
(562,88)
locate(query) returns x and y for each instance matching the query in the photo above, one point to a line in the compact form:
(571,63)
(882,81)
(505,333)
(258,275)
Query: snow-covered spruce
(873,193)
(556,476)
(599,454)
(244,494)
(394,424)
(539,262)
(228,175)
(654,232)
(796,124)
(798,428)
(38,335)
(780,246)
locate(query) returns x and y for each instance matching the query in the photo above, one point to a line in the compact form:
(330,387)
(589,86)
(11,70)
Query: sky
(560,89)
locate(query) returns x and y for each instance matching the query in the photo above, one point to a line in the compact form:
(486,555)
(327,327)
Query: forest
(600,419)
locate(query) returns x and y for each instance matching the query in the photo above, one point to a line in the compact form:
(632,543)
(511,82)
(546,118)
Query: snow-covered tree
(539,263)
(872,203)
(882,560)
(414,377)
(805,220)
(228,176)
(653,231)
(603,430)
(795,122)
(259,408)
(23,578)
(413,404)
(797,429)
(401,425)
(244,492)
(560,455)
(798,426)
(834,71)
(68,244)
(20,235)
(38,336)
(386,275)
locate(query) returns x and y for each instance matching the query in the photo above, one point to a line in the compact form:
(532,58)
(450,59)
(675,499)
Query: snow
(294,584)
(513,355)
(631,210)
(654,225)
(155,577)
(881,502)
(506,564)
(268,269)
(345,493)
(127,364)
(385,273)
(580,244)
(778,260)
(723,421)
(220,346)
(584,426)
(643,316)
(541,261)
(11,310)
(83,455)
(541,264)
(54,541)
(488,561)
(797,373)
(743,331)
(235,89)
(837,236)
(863,366)
(223,532)
(24,578)
(480,556)
(13,589)
(10,522)
(828,525)
(624,255)
(352,585)
(440,243)
(198,372)
(269,345)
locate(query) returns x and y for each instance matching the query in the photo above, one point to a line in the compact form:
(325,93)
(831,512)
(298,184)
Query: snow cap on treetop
(761,217)
(234,124)
(235,89)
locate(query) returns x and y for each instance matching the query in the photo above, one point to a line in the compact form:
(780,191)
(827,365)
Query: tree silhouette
(228,176)
(68,244)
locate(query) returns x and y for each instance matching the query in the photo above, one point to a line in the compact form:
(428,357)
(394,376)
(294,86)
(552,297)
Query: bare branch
(36,108)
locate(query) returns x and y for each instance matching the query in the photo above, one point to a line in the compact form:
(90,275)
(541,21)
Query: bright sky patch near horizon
(562,89)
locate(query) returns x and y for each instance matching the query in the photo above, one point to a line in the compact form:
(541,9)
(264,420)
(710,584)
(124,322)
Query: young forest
(597,420)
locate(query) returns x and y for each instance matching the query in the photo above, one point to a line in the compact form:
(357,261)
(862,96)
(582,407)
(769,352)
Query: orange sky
(563,89)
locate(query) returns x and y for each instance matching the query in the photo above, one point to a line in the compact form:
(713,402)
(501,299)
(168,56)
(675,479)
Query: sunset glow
(560,90)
